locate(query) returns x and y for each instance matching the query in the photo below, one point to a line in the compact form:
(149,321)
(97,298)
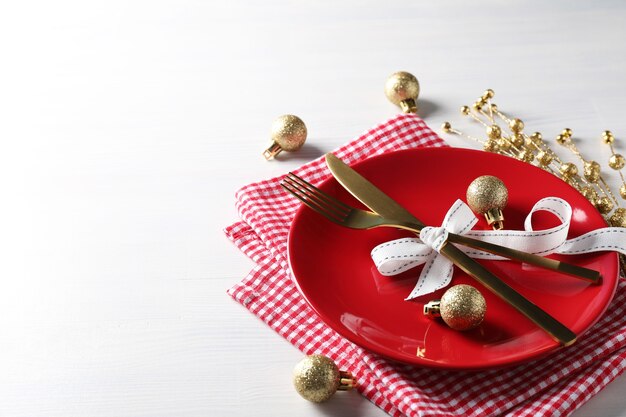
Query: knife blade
(381,203)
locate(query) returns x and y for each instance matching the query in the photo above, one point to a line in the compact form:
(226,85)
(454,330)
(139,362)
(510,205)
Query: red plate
(334,271)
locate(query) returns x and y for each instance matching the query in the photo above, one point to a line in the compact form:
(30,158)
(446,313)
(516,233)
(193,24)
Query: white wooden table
(127,126)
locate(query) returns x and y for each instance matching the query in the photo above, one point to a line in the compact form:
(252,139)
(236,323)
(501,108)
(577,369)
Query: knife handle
(529,258)
(542,319)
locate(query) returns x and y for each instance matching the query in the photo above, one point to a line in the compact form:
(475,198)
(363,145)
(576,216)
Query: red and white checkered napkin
(555,385)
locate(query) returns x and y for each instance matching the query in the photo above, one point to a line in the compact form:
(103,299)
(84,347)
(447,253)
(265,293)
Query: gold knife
(376,200)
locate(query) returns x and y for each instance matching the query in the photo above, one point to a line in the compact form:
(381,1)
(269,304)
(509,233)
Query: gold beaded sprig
(616,162)
(602,197)
(505,135)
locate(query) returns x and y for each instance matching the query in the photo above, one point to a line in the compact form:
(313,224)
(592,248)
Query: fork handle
(529,258)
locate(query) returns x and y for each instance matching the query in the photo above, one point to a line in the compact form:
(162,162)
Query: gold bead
(616,161)
(488,195)
(462,307)
(446,127)
(317,378)
(568,170)
(607,137)
(494,107)
(571,181)
(504,144)
(604,205)
(590,194)
(618,218)
(494,132)
(516,125)
(536,138)
(622,191)
(489,93)
(517,139)
(526,155)
(544,158)
(465,110)
(402,89)
(561,139)
(288,134)
(567,132)
(491,145)
(478,105)
(591,171)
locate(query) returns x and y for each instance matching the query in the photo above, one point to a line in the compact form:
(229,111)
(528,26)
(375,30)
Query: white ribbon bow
(396,256)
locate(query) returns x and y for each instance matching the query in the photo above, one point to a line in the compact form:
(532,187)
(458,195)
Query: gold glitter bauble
(616,161)
(317,378)
(592,171)
(463,307)
(568,169)
(494,132)
(622,191)
(288,134)
(402,87)
(485,193)
(618,218)
(604,205)
(544,158)
(516,125)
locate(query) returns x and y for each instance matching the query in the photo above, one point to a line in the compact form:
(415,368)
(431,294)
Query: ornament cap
(408,106)
(272,151)
(495,218)
(432,309)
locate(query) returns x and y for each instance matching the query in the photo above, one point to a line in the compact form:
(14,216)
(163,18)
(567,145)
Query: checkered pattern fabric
(555,385)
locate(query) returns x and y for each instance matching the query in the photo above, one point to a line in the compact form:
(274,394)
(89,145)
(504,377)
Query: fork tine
(319,193)
(333,217)
(314,199)
(311,193)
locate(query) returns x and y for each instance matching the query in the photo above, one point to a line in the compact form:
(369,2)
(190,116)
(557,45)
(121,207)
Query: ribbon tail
(437,274)
(607,239)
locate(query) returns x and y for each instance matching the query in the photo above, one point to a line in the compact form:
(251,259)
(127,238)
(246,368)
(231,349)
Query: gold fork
(345,215)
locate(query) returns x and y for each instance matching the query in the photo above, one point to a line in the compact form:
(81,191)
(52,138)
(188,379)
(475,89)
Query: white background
(127,126)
